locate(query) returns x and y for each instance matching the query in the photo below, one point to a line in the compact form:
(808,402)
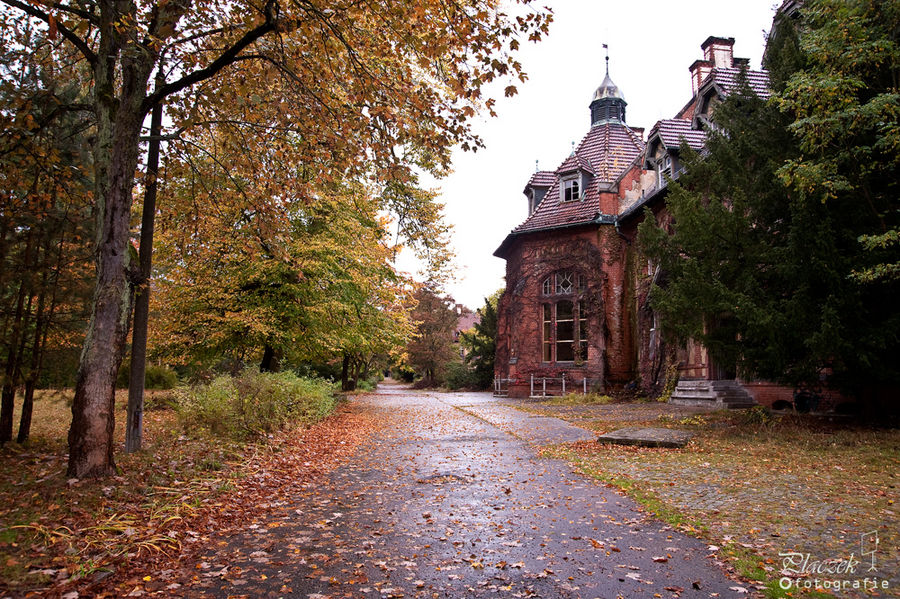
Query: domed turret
(608,103)
(608,89)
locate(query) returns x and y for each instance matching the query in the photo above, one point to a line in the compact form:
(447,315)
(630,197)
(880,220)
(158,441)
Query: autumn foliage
(287,113)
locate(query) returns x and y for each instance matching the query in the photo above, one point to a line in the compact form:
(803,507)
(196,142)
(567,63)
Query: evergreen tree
(769,261)
(481,343)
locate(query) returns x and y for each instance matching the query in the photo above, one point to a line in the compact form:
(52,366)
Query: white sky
(651,45)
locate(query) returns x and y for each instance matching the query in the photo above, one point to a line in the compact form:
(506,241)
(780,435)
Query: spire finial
(536,167)
(606,47)
(573,149)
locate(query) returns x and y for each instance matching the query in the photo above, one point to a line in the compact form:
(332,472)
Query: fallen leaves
(266,472)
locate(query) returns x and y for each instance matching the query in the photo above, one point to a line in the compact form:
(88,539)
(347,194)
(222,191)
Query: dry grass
(54,529)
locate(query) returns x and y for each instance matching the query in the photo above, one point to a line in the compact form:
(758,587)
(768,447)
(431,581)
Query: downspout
(619,231)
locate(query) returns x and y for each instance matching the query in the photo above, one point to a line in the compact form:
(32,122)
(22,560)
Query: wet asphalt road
(452,500)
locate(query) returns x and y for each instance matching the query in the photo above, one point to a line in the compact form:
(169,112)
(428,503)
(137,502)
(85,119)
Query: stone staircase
(716,395)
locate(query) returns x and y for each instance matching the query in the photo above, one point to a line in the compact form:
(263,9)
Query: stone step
(717,394)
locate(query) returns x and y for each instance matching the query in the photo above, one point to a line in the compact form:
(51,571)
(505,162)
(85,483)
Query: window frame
(663,168)
(566,186)
(564,303)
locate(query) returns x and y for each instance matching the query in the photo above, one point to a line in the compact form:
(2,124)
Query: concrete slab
(647,437)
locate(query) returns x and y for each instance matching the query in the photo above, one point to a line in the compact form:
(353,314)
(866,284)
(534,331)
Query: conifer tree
(780,258)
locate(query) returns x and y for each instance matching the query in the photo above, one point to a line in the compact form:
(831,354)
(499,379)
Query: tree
(44,253)
(309,281)
(847,103)
(431,349)
(481,343)
(764,263)
(362,83)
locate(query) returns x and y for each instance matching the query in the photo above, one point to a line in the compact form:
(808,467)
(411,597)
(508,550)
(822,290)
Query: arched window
(564,329)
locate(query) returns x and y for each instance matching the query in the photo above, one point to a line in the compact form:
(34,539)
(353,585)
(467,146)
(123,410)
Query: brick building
(575,305)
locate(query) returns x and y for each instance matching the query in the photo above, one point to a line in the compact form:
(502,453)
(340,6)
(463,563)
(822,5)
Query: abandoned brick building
(575,307)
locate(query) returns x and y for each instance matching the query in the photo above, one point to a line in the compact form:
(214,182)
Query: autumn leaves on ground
(60,534)
(180,500)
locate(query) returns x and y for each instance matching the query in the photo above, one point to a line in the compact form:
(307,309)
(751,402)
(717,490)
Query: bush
(404,373)
(155,376)
(366,385)
(160,377)
(460,376)
(254,403)
(758,416)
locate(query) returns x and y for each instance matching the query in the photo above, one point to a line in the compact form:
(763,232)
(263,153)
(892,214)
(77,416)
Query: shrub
(758,416)
(254,403)
(160,377)
(155,376)
(460,376)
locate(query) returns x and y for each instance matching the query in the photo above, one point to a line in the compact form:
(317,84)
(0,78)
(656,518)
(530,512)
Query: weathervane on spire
(606,47)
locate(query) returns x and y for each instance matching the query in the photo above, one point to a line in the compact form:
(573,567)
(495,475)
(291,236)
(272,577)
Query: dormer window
(571,189)
(663,168)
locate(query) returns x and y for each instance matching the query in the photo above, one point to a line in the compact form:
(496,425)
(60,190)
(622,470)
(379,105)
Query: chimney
(699,71)
(719,51)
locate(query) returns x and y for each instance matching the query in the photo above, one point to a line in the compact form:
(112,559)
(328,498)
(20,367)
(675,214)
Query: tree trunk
(40,341)
(348,383)
(271,359)
(35,366)
(8,395)
(119,120)
(134,428)
(14,355)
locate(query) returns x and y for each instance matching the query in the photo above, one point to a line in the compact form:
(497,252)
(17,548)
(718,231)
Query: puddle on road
(443,479)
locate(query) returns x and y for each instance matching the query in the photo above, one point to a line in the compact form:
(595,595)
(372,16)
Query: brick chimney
(699,71)
(717,53)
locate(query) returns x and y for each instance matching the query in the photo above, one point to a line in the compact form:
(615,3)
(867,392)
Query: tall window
(564,327)
(547,348)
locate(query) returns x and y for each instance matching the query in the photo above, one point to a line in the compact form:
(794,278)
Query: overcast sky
(651,45)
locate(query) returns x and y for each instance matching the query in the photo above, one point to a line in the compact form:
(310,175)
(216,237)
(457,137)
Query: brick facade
(583,219)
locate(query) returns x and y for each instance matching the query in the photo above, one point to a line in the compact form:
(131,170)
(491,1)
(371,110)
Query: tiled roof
(672,131)
(573,163)
(728,80)
(542,179)
(608,150)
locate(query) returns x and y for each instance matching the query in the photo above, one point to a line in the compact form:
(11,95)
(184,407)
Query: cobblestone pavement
(780,510)
(445,503)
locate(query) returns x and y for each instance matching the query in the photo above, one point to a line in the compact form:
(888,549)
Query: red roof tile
(575,162)
(672,131)
(606,152)
(542,179)
(728,80)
